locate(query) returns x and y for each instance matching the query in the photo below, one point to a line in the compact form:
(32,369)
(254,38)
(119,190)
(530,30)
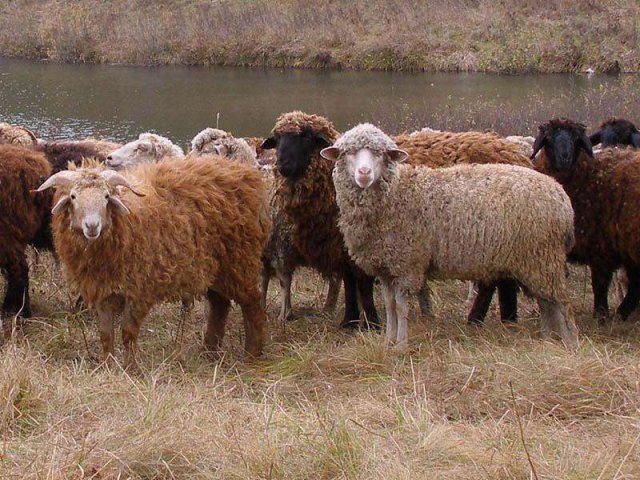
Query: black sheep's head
(295,151)
(616,132)
(562,140)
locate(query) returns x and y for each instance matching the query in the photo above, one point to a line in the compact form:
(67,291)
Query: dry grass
(441,35)
(322,404)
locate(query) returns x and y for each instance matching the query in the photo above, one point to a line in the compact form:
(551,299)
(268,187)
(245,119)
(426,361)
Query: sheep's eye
(73,196)
(106,195)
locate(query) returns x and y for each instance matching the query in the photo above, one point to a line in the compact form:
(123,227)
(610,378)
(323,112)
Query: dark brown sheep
(23,215)
(605,194)
(61,153)
(615,132)
(308,198)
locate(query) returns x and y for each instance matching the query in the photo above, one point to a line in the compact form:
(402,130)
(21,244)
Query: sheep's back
(445,149)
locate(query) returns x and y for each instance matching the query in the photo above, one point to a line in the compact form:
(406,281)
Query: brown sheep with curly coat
(173,230)
(605,193)
(23,217)
(307,196)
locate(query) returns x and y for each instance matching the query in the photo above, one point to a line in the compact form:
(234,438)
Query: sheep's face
(91,198)
(365,166)
(133,153)
(562,141)
(216,147)
(616,132)
(295,152)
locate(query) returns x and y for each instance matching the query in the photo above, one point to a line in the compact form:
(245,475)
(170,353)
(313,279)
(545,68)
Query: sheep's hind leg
(600,281)
(555,322)
(508,297)
(481,304)
(632,298)
(132,321)
(403,307)
(332,295)
(16,298)
(216,311)
(351,318)
(389,294)
(425,301)
(105,327)
(286,312)
(265,278)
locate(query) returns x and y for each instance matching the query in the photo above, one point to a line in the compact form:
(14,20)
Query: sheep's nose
(91,229)
(364,170)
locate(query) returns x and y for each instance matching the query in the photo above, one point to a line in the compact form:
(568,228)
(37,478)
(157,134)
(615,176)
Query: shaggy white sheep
(148,148)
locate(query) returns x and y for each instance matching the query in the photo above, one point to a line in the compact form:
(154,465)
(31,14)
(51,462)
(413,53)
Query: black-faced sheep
(148,148)
(22,219)
(438,149)
(616,132)
(198,228)
(280,257)
(307,196)
(470,222)
(605,194)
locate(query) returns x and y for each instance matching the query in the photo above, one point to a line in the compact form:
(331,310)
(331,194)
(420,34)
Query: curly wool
(23,214)
(199,226)
(230,147)
(63,153)
(297,122)
(363,136)
(15,135)
(469,221)
(445,149)
(163,146)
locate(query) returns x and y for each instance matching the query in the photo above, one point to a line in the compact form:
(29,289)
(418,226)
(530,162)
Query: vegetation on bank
(435,35)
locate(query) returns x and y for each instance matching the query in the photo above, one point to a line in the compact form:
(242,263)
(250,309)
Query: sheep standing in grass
(473,222)
(162,231)
(23,217)
(148,148)
(436,149)
(280,257)
(605,193)
(306,194)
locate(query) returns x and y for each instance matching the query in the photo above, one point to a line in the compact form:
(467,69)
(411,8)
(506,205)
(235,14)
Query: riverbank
(403,35)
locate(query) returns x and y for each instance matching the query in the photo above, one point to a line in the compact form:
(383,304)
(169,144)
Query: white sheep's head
(366,152)
(148,148)
(89,196)
(213,141)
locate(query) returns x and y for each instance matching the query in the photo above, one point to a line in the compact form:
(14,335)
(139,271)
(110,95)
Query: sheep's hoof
(350,324)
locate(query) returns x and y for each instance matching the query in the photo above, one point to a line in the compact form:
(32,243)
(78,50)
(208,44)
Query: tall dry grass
(440,35)
(323,403)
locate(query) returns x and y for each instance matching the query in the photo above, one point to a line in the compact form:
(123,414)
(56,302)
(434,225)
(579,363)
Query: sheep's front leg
(131,323)
(332,295)
(285,279)
(403,305)
(389,294)
(105,327)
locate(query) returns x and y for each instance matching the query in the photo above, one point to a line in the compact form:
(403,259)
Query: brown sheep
(22,218)
(444,149)
(61,153)
(198,228)
(18,136)
(307,196)
(615,132)
(605,193)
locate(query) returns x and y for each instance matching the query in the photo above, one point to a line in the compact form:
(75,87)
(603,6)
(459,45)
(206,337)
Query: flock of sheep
(138,224)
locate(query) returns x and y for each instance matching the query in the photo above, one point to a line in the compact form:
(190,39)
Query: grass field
(460,403)
(437,35)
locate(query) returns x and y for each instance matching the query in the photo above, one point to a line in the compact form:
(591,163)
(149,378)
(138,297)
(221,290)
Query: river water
(119,102)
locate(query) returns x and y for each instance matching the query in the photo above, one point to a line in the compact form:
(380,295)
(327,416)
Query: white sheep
(473,222)
(148,148)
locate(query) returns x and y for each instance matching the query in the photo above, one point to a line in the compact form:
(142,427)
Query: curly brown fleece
(61,153)
(605,194)
(22,216)
(445,149)
(311,201)
(200,228)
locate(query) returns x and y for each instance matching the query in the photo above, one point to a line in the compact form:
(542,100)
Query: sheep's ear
(586,144)
(322,141)
(398,155)
(120,207)
(635,139)
(330,153)
(64,201)
(541,141)
(270,143)
(595,138)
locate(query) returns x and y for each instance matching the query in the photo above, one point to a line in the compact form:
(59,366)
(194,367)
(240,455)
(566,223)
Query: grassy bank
(461,403)
(436,35)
